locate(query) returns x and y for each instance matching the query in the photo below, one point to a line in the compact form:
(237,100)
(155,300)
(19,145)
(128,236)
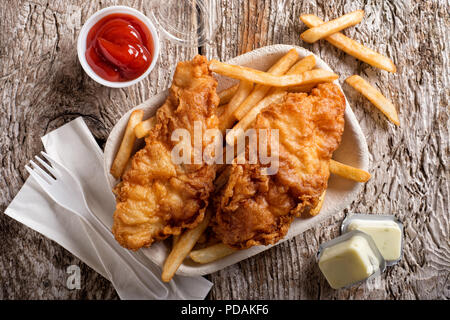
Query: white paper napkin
(75,147)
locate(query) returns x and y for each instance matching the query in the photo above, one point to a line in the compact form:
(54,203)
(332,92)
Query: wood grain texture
(42,86)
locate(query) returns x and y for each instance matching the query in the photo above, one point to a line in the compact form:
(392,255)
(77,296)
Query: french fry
(246,121)
(256,76)
(124,153)
(226,95)
(212,253)
(340,169)
(305,64)
(301,66)
(352,47)
(333,26)
(221,109)
(222,179)
(275,95)
(349,172)
(284,63)
(175,239)
(182,248)
(374,96)
(203,238)
(315,211)
(143,128)
(226,119)
(258,93)
(304,88)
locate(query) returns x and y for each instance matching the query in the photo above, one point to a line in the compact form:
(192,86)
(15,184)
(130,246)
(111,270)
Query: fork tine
(43,183)
(44,175)
(54,163)
(49,168)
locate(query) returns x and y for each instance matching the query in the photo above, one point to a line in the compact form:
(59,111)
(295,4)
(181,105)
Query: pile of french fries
(240,105)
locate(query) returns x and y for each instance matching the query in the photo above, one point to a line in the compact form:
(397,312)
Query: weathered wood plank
(409,164)
(42,87)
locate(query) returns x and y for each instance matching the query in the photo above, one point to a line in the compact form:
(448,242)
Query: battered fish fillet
(256,209)
(156,197)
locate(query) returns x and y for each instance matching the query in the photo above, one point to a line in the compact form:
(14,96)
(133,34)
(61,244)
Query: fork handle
(96,224)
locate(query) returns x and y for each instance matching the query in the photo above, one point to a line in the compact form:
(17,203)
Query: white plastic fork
(66,190)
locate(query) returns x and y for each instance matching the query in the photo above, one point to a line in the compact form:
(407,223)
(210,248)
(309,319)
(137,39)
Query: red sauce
(119,47)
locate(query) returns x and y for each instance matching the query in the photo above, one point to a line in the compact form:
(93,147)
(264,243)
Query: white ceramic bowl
(81,45)
(340,193)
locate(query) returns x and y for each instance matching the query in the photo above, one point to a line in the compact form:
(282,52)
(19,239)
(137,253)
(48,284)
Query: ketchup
(119,47)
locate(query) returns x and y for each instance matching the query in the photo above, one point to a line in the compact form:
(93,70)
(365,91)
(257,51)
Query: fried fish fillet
(157,197)
(257,209)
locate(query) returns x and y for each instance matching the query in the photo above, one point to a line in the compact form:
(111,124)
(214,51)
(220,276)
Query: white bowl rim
(92,20)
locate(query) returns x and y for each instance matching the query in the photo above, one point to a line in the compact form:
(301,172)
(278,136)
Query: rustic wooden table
(42,86)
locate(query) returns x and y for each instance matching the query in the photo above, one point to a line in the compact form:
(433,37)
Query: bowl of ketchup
(118,46)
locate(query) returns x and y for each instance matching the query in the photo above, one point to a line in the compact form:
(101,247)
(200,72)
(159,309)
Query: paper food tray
(340,193)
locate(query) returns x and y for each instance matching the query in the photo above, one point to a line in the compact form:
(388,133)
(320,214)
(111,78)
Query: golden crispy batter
(156,197)
(254,209)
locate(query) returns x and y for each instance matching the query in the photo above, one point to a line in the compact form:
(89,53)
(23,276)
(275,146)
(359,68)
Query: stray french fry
(258,93)
(182,248)
(352,47)
(256,76)
(374,96)
(314,211)
(349,172)
(301,66)
(226,119)
(226,95)
(124,153)
(143,128)
(333,26)
(212,253)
